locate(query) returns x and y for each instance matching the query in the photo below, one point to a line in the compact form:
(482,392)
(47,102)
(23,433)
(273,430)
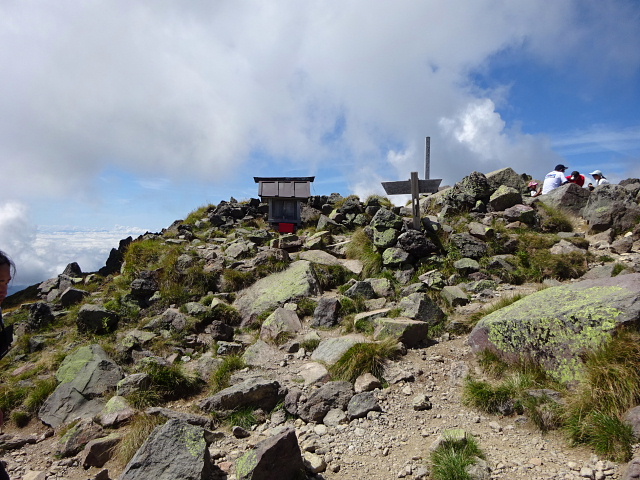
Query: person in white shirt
(553,180)
(599,178)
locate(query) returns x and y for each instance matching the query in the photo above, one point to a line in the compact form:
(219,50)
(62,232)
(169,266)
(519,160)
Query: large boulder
(254,392)
(504,197)
(507,177)
(416,244)
(611,206)
(279,324)
(96,319)
(556,326)
(173,450)
(84,376)
(297,281)
(570,197)
(276,458)
(330,395)
(465,194)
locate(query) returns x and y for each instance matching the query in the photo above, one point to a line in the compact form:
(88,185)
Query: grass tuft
(138,431)
(365,358)
(452,457)
(220,378)
(361,248)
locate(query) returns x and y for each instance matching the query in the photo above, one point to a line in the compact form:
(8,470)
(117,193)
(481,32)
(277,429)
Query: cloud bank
(197,89)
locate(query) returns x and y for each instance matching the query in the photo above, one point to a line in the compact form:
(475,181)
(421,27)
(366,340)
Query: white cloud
(40,254)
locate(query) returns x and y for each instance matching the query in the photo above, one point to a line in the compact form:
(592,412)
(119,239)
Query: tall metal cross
(415,186)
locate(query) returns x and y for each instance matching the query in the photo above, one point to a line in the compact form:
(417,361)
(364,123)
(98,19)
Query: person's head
(575,175)
(533,185)
(7,269)
(560,168)
(597,174)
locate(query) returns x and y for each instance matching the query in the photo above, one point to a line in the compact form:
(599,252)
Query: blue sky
(120,117)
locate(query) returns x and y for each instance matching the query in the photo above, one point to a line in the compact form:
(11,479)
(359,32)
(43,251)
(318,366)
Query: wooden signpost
(415,186)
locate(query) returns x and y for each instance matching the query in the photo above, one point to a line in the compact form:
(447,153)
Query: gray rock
(254,392)
(416,244)
(421,402)
(90,370)
(96,319)
(77,437)
(385,238)
(330,395)
(419,306)
(361,404)
(569,197)
(632,417)
(71,296)
(465,266)
(335,417)
(504,197)
(507,177)
(522,213)
(361,289)
(133,383)
(326,313)
(366,383)
(40,315)
(611,206)
(260,354)
(469,246)
(385,219)
(281,322)
(411,333)
(331,350)
(116,412)
(99,451)
(276,458)
(65,404)
(454,296)
(173,450)
(395,257)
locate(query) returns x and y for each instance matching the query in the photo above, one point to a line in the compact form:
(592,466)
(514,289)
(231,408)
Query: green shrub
(350,305)
(306,307)
(20,419)
(500,399)
(310,344)
(453,456)
(364,358)
(331,276)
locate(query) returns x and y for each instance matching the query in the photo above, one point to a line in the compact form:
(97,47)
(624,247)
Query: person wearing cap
(577,178)
(554,179)
(533,188)
(599,178)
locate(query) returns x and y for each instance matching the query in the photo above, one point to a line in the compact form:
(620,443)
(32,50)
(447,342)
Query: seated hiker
(577,178)
(534,190)
(599,178)
(554,179)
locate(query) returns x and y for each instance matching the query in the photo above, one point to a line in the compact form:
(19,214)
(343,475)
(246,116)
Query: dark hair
(575,173)
(5,260)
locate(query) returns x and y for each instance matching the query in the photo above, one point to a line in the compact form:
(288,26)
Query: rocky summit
(356,347)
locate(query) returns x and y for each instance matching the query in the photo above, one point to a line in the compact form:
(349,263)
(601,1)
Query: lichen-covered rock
(410,332)
(556,325)
(173,450)
(504,197)
(508,177)
(385,219)
(416,244)
(299,280)
(276,458)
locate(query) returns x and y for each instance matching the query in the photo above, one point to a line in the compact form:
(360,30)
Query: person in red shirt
(577,178)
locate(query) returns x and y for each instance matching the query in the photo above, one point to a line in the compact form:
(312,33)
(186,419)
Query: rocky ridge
(342,430)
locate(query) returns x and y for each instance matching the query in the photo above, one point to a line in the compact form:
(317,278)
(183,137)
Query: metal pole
(427,157)
(415,200)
